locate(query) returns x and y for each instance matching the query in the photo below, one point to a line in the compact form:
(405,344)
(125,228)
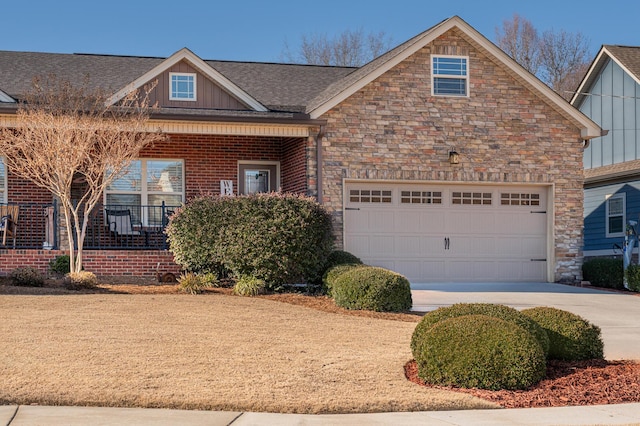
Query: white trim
(6,98)
(589,129)
(186,55)
(609,197)
(144,192)
(609,252)
(259,163)
(195,86)
(4,192)
(464,77)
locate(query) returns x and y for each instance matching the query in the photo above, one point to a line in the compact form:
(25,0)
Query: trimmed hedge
(341,257)
(571,338)
(371,288)
(333,273)
(278,238)
(604,272)
(633,277)
(463,309)
(478,351)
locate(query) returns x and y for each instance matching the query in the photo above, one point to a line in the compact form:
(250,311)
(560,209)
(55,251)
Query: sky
(254,30)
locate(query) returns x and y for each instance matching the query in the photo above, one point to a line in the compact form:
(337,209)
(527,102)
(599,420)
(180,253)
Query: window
(3,182)
(258,177)
(145,185)
(369,196)
(615,211)
(183,87)
(471,198)
(519,199)
(421,197)
(449,76)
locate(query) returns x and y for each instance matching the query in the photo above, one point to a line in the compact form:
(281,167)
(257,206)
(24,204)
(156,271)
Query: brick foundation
(100,262)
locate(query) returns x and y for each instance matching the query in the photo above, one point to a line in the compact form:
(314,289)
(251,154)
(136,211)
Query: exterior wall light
(454,157)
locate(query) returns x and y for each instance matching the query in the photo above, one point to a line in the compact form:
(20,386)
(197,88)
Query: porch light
(454,157)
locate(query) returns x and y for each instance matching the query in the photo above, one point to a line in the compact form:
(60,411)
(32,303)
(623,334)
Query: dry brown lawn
(212,351)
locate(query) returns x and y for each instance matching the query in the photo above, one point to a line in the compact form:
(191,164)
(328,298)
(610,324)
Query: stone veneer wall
(393,129)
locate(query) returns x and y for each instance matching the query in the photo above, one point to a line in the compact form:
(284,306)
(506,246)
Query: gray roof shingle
(280,87)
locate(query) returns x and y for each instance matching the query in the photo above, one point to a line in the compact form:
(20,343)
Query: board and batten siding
(595,219)
(614,104)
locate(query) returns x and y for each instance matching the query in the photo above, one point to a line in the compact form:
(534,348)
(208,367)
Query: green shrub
(279,238)
(249,286)
(478,351)
(571,337)
(604,272)
(372,288)
(196,283)
(503,312)
(80,280)
(27,277)
(633,277)
(341,257)
(333,273)
(60,265)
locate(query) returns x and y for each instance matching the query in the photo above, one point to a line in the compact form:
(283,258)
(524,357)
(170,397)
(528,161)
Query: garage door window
(519,199)
(421,197)
(471,198)
(369,196)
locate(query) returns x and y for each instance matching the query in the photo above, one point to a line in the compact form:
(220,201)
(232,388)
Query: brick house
(442,159)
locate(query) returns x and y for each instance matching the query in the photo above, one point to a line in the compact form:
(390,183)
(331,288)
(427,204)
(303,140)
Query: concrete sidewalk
(622,414)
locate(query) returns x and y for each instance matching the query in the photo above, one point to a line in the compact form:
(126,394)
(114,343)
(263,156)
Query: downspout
(319,137)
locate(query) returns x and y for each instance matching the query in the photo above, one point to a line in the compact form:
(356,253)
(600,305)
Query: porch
(110,227)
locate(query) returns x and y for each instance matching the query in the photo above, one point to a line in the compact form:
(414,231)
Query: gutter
(319,137)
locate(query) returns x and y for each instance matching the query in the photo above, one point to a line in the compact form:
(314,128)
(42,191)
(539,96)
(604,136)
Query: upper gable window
(183,86)
(449,75)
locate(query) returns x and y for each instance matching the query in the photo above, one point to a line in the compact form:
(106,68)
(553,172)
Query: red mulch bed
(593,382)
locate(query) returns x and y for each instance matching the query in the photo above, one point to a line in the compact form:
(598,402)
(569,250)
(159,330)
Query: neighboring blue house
(610,96)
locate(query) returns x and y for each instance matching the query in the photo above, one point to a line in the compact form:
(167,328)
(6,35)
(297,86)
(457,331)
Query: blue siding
(614,104)
(595,213)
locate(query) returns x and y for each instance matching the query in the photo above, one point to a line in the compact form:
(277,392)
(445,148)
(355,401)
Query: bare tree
(560,59)
(519,39)
(565,58)
(64,134)
(348,49)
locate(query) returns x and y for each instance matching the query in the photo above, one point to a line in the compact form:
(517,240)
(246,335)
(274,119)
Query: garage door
(439,233)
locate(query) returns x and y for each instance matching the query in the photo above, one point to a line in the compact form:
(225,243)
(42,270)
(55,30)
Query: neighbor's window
(144,186)
(615,211)
(183,86)
(449,76)
(3,182)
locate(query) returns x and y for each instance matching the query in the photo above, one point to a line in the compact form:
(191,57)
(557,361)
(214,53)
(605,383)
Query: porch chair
(9,223)
(121,224)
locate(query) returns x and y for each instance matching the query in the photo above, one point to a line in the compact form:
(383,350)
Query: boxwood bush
(371,288)
(462,309)
(604,272)
(571,337)
(27,276)
(633,277)
(278,238)
(478,351)
(333,273)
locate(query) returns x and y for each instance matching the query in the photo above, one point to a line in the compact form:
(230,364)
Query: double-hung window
(143,188)
(450,75)
(615,212)
(182,86)
(3,182)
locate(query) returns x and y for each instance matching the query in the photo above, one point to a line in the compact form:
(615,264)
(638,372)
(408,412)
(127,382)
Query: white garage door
(437,233)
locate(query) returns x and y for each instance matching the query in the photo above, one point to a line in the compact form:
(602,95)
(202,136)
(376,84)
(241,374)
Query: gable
(6,98)
(209,94)
(338,92)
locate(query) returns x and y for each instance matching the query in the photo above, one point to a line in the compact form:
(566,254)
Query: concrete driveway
(617,314)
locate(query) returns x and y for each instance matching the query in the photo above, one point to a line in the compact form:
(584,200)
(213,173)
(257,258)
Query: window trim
(172,97)
(4,184)
(466,77)
(144,192)
(608,198)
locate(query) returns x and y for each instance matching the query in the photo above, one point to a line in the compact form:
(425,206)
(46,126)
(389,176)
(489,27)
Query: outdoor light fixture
(454,157)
